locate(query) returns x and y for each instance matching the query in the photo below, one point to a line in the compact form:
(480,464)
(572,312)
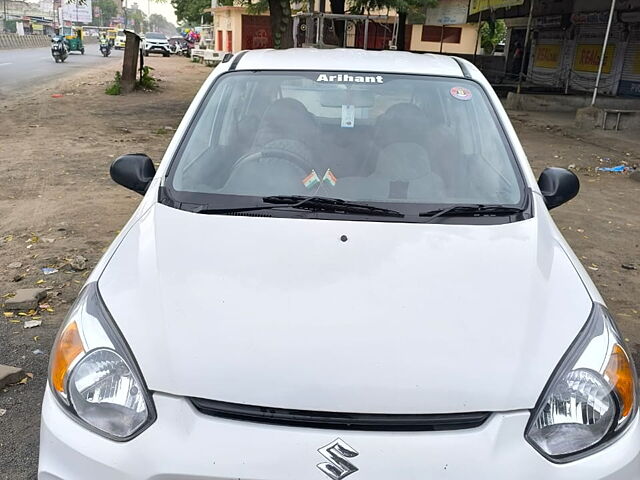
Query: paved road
(24,68)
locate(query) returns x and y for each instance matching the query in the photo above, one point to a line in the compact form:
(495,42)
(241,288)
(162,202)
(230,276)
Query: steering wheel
(293,158)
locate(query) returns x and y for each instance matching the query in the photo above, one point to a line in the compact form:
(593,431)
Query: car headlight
(94,376)
(590,399)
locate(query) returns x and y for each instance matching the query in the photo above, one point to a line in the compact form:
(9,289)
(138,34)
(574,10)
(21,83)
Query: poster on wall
(587,58)
(448,12)
(480,5)
(77,11)
(547,56)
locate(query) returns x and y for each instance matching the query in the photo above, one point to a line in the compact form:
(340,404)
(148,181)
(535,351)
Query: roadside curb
(12,40)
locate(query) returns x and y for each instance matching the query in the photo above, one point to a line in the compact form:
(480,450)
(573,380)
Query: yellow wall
(467,41)
(228,19)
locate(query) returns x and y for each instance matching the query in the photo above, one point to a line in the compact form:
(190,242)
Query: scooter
(59,50)
(105,49)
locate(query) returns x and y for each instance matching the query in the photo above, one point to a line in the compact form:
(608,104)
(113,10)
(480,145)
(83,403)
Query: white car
(155,42)
(120,41)
(343,267)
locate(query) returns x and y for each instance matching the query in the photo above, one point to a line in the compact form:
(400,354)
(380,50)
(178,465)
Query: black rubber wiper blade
(471,210)
(283,200)
(331,205)
(207,210)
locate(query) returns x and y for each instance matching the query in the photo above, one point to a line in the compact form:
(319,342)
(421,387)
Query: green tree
(280,19)
(108,10)
(158,23)
(404,9)
(192,11)
(492,32)
(281,23)
(137,20)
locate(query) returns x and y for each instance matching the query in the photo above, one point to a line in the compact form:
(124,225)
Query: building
(235,29)
(457,39)
(566,43)
(26,18)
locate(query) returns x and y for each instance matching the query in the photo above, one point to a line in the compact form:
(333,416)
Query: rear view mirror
(134,171)
(558,186)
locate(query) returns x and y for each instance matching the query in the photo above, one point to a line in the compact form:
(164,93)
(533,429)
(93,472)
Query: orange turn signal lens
(620,373)
(67,347)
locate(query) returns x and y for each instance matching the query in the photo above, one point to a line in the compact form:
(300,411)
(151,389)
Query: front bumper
(157,48)
(185,445)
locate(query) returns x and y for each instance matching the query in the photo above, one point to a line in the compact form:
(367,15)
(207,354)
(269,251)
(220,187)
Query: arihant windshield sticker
(330,177)
(348,116)
(346,78)
(461,93)
(311,179)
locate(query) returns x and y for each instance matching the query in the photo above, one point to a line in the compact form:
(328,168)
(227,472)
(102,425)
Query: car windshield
(155,36)
(407,142)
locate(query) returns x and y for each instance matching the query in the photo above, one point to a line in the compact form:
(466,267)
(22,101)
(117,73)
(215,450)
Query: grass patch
(147,80)
(116,87)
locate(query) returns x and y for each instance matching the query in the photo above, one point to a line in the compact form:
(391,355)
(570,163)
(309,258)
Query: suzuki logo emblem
(338,467)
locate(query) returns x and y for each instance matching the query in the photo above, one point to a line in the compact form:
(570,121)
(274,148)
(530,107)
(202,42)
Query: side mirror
(558,186)
(134,171)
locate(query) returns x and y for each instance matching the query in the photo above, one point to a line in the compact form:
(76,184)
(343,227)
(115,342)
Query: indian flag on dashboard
(330,177)
(311,179)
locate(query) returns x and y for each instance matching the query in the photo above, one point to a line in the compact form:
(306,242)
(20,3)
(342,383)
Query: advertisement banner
(595,18)
(547,56)
(587,58)
(77,11)
(480,5)
(636,63)
(448,12)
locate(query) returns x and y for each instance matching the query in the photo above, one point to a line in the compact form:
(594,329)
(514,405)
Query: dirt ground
(57,201)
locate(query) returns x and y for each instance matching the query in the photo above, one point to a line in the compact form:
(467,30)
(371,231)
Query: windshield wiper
(332,205)
(323,204)
(471,210)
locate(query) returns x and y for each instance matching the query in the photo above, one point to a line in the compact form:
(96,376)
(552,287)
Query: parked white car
(120,41)
(155,42)
(343,267)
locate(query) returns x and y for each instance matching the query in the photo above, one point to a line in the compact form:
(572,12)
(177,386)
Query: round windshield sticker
(461,93)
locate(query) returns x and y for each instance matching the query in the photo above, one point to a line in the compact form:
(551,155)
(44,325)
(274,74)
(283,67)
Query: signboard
(549,21)
(630,17)
(448,12)
(629,88)
(587,58)
(77,11)
(594,18)
(547,56)
(480,5)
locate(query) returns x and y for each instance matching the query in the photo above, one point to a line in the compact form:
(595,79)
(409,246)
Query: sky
(164,8)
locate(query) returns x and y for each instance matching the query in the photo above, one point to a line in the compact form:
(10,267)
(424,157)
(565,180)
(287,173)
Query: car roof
(353,60)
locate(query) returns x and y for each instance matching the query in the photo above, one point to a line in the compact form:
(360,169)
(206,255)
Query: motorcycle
(179,46)
(59,50)
(105,49)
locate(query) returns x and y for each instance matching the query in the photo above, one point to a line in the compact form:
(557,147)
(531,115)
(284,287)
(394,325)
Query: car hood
(399,318)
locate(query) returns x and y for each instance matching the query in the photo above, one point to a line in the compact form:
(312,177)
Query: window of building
(431,33)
